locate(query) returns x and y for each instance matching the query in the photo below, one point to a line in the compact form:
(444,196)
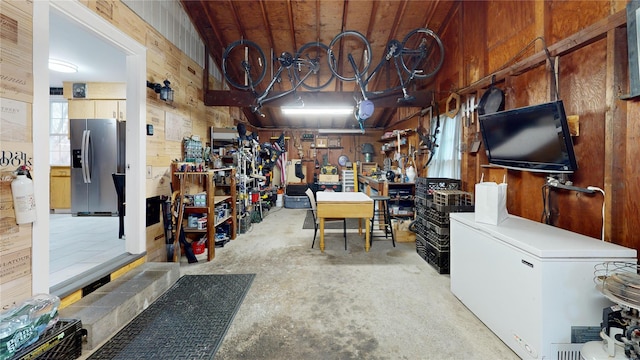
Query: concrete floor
(305,304)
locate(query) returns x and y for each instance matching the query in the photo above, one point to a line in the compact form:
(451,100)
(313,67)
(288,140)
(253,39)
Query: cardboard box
(368,168)
(328,178)
(322,142)
(401,231)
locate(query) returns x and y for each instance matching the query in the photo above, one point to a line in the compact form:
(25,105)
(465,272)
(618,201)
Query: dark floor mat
(188,321)
(308,223)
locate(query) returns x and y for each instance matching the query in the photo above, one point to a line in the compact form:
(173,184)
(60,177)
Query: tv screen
(532,138)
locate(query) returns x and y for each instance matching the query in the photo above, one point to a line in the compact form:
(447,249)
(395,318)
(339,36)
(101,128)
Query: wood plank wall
(484,37)
(16,146)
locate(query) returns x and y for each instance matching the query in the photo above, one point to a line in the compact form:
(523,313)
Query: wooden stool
(381,209)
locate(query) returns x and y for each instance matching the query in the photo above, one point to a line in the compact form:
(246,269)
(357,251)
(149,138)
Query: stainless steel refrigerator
(97,152)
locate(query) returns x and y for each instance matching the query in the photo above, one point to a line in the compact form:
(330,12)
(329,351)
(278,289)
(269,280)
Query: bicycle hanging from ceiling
(244,66)
(420,55)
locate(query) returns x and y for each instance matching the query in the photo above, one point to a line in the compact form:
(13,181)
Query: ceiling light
(317,110)
(340,131)
(62,66)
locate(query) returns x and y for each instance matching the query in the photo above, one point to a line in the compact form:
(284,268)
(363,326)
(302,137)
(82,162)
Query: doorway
(78,244)
(135,55)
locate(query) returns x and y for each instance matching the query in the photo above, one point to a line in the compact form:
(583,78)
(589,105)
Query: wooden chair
(316,221)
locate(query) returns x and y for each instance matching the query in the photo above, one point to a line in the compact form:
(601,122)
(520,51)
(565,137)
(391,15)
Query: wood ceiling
(285,26)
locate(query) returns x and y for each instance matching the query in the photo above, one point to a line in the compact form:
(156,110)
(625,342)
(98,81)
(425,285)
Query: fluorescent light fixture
(317,110)
(340,131)
(62,66)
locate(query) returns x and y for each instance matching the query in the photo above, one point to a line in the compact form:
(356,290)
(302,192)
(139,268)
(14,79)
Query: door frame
(135,191)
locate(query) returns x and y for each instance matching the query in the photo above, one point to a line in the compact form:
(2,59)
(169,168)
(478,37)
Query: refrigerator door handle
(86,156)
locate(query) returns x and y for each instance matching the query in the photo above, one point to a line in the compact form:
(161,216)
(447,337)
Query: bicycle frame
(420,55)
(286,61)
(394,49)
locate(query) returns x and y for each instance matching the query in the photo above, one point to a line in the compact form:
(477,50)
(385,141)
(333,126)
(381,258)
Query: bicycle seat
(286,59)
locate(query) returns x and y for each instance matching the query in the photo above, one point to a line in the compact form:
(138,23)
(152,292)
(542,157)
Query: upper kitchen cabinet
(122,109)
(96,101)
(81,109)
(97,109)
(106,109)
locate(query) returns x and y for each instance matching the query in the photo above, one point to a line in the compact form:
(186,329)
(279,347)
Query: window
(59,146)
(447,158)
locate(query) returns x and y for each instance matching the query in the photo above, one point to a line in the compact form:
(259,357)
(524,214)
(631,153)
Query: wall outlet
(149,172)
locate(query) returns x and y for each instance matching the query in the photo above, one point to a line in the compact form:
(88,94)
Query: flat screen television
(533,138)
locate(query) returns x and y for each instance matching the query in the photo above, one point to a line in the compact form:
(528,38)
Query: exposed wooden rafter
(288,25)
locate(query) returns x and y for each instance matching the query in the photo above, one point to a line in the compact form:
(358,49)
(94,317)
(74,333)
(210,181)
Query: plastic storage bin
(297,202)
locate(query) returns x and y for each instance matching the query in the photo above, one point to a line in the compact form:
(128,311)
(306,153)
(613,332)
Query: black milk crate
(440,230)
(421,247)
(63,341)
(421,227)
(438,259)
(439,241)
(422,202)
(422,212)
(438,218)
(420,199)
(426,186)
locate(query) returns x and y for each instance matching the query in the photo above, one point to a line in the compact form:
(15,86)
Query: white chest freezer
(529,282)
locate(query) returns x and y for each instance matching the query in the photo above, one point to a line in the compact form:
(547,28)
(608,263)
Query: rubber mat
(188,321)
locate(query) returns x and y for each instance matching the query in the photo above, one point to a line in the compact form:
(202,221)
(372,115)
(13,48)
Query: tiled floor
(80,243)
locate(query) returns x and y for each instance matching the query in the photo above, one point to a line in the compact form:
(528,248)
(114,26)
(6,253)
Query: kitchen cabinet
(530,283)
(212,205)
(60,187)
(106,109)
(97,109)
(122,110)
(82,109)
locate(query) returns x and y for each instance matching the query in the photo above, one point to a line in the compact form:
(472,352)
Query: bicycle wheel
(422,53)
(244,64)
(349,55)
(311,66)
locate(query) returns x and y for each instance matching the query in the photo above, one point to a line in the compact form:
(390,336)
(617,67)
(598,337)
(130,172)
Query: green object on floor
(189,321)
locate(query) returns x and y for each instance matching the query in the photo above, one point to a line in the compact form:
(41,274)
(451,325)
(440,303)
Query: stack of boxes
(435,199)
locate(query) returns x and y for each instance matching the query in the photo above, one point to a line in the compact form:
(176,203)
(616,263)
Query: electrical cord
(546,213)
(594,188)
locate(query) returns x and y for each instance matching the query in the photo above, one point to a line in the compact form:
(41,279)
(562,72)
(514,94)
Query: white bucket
(279,200)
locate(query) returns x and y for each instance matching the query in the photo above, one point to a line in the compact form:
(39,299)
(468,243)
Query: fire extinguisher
(24,203)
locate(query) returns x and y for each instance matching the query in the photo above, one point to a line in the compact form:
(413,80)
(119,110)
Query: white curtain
(447,158)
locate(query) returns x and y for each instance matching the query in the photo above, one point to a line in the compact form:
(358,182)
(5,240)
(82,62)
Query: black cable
(432,147)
